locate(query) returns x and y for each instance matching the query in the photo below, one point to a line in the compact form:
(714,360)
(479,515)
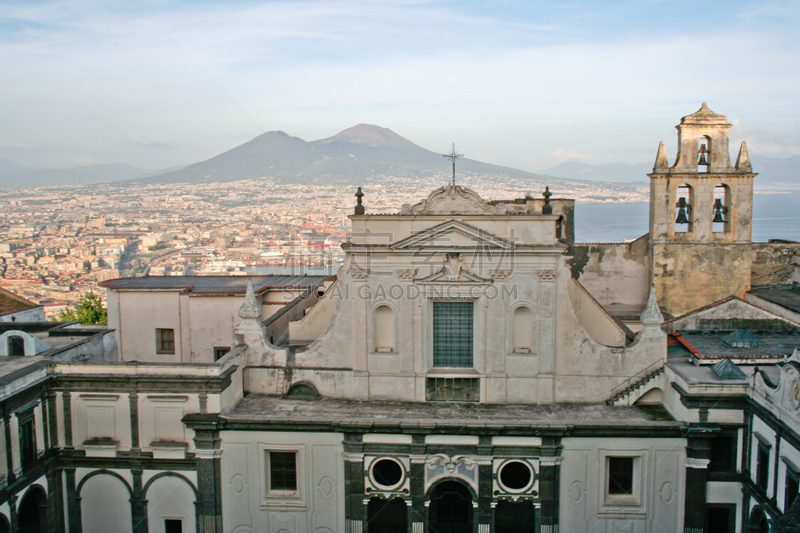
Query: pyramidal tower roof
(705,116)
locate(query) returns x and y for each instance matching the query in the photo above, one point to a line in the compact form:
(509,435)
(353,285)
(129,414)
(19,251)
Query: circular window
(515,476)
(387,472)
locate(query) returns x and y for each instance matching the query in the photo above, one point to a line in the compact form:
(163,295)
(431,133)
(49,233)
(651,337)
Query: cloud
(566,154)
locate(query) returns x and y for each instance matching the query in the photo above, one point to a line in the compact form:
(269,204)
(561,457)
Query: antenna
(453,156)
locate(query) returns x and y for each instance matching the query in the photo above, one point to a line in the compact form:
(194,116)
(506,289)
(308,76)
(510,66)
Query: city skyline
(511,84)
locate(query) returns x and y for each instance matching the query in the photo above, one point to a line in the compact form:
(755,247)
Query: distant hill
(353,156)
(14,176)
(770,170)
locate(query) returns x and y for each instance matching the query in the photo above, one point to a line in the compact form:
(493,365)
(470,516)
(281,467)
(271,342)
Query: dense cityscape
(61,242)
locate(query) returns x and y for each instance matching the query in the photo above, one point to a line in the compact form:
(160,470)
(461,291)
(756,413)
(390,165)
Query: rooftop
(782,295)
(11,303)
(456,416)
(213,284)
(717,344)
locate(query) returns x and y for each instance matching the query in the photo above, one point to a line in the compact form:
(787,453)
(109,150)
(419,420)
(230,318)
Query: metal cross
(453,156)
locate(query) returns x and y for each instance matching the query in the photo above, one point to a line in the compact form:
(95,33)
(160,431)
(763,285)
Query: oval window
(387,472)
(515,475)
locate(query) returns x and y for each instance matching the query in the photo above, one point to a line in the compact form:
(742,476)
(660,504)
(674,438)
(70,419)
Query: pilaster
(549,477)
(208,453)
(698,455)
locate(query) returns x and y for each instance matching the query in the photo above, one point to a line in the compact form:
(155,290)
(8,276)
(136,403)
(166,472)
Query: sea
(775,216)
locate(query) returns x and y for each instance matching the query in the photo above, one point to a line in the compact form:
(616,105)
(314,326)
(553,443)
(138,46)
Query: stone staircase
(635,383)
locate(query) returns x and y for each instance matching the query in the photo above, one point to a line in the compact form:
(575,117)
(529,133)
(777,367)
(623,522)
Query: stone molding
(694,462)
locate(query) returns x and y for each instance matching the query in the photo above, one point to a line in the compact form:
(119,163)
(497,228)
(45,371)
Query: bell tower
(700,216)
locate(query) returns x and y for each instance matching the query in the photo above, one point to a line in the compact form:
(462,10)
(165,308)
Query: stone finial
(743,161)
(651,316)
(359,210)
(249,308)
(662,164)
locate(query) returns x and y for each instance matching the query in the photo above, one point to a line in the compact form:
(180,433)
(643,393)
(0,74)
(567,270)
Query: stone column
(697,459)
(10,476)
(12,511)
(67,398)
(133,402)
(209,470)
(354,492)
(73,503)
(417,457)
(549,477)
(138,502)
(485,512)
(52,422)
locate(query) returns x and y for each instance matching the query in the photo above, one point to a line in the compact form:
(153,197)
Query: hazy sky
(526,84)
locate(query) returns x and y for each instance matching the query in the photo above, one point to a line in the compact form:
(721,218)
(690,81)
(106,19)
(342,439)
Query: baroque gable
(453,234)
(454,200)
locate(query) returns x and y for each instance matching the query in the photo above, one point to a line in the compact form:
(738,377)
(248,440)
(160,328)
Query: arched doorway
(514,517)
(32,511)
(387,516)
(450,508)
(5,526)
(758,521)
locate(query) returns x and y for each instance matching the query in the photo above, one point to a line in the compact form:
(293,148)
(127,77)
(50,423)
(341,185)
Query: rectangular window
(452,389)
(282,471)
(452,334)
(620,476)
(172,525)
(792,487)
(165,341)
(27,437)
(220,351)
(723,455)
(720,518)
(762,466)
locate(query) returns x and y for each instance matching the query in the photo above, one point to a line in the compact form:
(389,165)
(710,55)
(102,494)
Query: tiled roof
(11,303)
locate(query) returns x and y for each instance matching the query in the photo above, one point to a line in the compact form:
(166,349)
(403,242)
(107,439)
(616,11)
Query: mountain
(774,170)
(770,170)
(618,171)
(14,176)
(352,156)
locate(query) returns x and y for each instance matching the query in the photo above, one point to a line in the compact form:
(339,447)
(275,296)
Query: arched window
(721,208)
(704,154)
(684,208)
(16,345)
(384,329)
(522,330)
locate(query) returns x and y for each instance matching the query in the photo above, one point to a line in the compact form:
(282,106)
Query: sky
(525,84)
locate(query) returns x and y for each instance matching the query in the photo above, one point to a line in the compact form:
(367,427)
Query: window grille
(452,334)
(453,390)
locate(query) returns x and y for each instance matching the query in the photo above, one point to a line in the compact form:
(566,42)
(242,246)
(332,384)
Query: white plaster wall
(140,314)
(105,505)
(160,418)
(318,505)
(35,314)
(170,497)
(658,483)
(99,416)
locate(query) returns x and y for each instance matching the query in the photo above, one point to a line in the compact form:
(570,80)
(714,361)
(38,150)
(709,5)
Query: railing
(635,380)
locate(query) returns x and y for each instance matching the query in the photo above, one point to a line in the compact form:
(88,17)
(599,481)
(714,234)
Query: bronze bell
(719,211)
(702,161)
(682,208)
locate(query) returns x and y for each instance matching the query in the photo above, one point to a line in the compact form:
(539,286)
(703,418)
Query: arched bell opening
(704,154)
(684,208)
(720,221)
